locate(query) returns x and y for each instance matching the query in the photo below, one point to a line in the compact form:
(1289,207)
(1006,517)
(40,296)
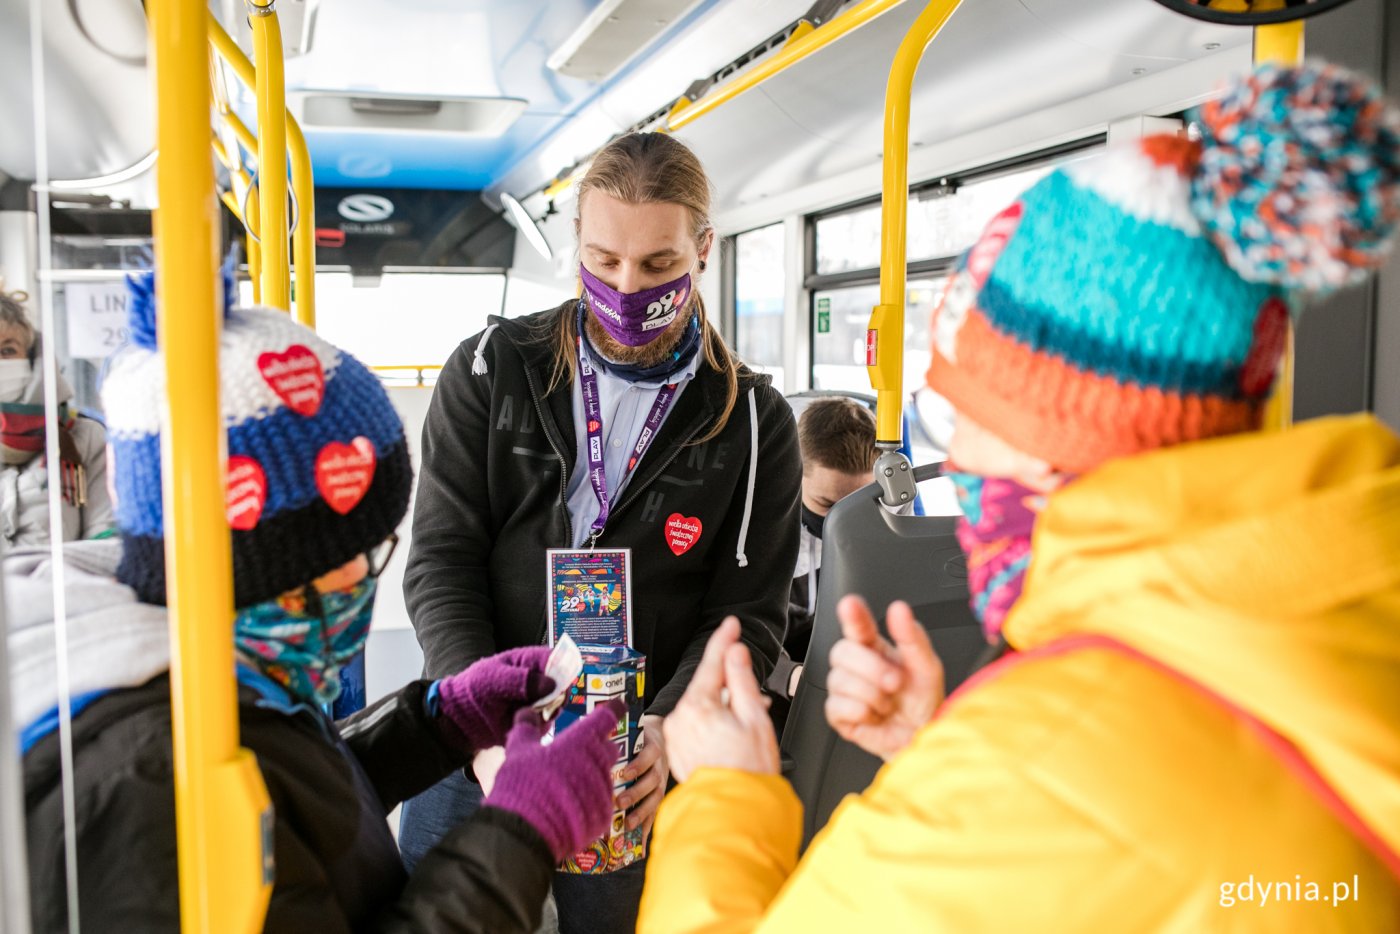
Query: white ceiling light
(612,34)
(526,225)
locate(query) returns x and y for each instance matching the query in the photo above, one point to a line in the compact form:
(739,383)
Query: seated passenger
(318,478)
(1197,726)
(24,474)
(837,440)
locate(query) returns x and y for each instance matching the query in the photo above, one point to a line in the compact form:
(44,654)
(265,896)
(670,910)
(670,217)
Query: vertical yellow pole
(304,237)
(220,800)
(303,181)
(1280,43)
(255,267)
(272,153)
(884,341)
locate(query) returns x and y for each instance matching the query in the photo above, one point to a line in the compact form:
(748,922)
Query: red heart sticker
(297,378)
(586,861)
(344,473)
(245,492)
(682,532)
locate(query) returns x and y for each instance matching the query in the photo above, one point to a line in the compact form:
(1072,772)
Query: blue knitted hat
(1142,298)
(318,468)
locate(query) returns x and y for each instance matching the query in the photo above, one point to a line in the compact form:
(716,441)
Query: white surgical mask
(15,375)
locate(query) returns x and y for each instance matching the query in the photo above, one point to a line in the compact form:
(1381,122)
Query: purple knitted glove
(563,790)
(477,703)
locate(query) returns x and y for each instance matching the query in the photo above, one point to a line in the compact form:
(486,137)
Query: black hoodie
(498,451)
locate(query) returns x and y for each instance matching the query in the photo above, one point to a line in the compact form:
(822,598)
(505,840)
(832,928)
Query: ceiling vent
(397,113)
(612,34)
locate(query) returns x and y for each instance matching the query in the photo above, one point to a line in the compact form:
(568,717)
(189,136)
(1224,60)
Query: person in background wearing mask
(1202,619)
(619,419)
(24,475)
(318,479)
(837,440)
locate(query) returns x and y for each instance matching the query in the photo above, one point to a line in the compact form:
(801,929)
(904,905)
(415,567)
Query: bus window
(758,300)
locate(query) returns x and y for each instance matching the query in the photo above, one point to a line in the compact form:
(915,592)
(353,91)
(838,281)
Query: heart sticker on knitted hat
(682,532)
(245,492)
(344,473)
(297,377)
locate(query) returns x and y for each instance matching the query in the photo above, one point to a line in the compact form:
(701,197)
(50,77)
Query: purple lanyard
(593,419)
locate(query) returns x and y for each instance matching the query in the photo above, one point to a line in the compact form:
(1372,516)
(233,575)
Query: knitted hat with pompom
(1142,298)
(318,468)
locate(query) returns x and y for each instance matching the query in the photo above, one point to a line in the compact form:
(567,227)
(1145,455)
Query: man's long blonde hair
(654,168)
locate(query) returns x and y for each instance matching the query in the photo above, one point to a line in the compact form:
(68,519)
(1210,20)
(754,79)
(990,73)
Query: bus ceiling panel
(971,81)
(96,90)
(710,36)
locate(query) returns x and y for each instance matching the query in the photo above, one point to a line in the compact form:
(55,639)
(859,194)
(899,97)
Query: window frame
(814,282)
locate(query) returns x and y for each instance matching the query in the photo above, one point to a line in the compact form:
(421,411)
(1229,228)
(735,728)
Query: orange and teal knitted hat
(1142,298)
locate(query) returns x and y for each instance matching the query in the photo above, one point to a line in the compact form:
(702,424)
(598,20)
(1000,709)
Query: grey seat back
(866,550)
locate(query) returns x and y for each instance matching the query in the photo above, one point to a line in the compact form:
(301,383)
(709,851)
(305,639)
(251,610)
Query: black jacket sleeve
(401,748)
(757,593)
(447,583)
(491,874)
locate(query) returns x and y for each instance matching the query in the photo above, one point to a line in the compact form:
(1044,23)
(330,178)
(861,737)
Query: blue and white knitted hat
(318,467)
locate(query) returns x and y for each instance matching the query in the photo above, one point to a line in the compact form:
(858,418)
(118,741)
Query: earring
(702,265)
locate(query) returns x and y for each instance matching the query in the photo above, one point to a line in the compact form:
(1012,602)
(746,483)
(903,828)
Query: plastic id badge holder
(590,599)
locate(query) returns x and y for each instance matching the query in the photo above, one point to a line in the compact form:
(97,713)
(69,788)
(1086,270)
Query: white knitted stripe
(134,389)
(1139,187)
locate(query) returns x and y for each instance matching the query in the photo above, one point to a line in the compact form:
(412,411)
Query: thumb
(528,729)
(709,674)
(916,655)
(745,699)
(600,724)
(537,685)
(856,622)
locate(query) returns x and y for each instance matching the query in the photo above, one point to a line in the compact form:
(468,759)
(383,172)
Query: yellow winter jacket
(1200,730)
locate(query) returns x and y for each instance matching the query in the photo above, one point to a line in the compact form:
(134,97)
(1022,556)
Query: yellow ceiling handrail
(885,338)
(220,798)
(791,53)
(303,180)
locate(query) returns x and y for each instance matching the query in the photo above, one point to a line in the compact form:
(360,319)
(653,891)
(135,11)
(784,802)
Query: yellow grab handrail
(270,90)
(221,802)
(794,51)
(303,180)
(1281,43)
(884,341)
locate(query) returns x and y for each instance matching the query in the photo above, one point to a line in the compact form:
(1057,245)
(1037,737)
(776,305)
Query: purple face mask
(634,318)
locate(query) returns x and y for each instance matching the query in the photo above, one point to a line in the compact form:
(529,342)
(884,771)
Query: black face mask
(812,522)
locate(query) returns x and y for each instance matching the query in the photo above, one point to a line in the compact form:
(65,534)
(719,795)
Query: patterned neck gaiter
(302,646)
(995,532)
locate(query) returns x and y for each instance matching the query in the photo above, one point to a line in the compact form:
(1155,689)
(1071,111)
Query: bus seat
(867,550)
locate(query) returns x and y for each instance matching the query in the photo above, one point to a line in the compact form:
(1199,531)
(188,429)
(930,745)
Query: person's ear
(705,248)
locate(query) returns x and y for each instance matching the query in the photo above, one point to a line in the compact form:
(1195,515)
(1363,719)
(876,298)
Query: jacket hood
(113,640)
(1264,566)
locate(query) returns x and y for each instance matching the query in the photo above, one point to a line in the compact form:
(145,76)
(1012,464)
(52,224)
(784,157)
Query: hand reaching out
(881,694)
(722,720)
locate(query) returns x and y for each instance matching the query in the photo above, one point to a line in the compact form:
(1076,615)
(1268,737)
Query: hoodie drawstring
(479,359)
(753,479)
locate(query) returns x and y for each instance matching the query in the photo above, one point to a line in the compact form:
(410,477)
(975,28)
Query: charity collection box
(590,604)
(610,672)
